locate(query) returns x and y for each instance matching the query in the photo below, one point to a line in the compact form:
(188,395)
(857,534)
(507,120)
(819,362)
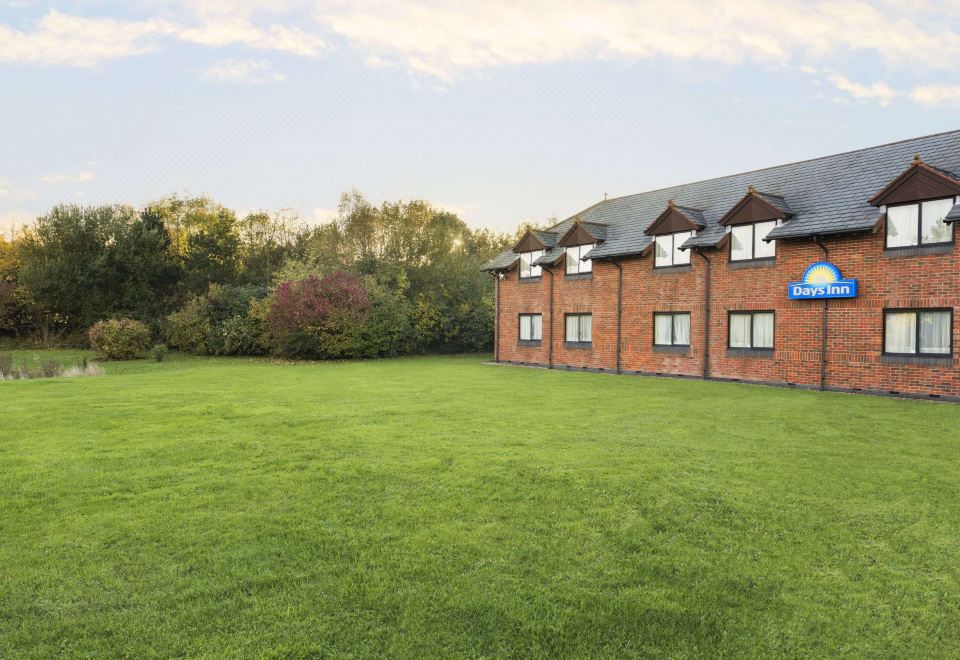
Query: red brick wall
(855,326)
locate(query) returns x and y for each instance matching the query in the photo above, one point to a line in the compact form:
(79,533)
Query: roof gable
(535,240)
(917,183)
(676,218)
(755,207)
(583,233)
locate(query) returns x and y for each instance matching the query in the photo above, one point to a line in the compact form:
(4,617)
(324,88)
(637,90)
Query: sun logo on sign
(821,273)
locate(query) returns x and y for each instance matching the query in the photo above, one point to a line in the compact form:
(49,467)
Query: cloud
(936,95)
(447,38)
(77,177)
(77,41)
(878,91)
(248,71)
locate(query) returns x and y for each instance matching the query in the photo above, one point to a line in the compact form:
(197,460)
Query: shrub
(318,317)
(6,365)
(218,322)
(159,351)
(120,339)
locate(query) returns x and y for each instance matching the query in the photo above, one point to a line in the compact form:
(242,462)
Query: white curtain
(741,237)
(573,260)
(935,332)
(524,327)
(740,330)
(572,328)
(586,328)
(934,229)
(536,331)
(664,248)
(586,266)
(535,271)
(681,329)
(901,332)
(524,264)
(762,249)
(663,325)
(763,330)
(902,225)
(680,256)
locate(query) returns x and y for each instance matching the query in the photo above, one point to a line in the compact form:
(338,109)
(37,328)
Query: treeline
(391,279)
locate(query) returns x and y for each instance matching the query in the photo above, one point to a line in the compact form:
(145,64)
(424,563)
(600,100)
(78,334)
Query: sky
(501,111)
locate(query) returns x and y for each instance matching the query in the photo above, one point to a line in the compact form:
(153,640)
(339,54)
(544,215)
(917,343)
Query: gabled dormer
(917,183)
(577,242)
(531,247)
(921,207)
(672,228)
(748,223)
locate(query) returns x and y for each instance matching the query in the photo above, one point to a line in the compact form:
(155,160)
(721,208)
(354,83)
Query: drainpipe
(706,317)
(496,316)
(619,265)
(823,323)
(550,347)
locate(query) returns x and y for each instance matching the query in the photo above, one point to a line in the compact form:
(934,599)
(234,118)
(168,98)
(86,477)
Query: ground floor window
(917,331)
(531,327)
(751,330)
(671,329)
(579,328)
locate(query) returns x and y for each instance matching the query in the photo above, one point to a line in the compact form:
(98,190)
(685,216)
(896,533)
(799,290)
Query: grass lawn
(439,506)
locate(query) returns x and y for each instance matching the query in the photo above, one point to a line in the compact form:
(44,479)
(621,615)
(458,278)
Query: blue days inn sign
(822,280)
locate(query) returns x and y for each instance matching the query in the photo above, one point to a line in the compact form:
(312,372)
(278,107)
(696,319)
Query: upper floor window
(671,329)
(747,244)
(917,331)
(668,252)
(910,225)
(527,269)
(751,330)
(579,328)
(574,259)
(531,327)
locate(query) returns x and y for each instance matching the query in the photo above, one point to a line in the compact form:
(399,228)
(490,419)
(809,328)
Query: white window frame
(753,240)
(675,256)
(576,252)
(527,270)
(920,242)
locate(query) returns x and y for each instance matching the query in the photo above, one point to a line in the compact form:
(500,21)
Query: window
(910,225)
(579,328)
(531,327)
(575,264)
(917,331)
(527,269)
(751,330)
(747,244)
(671,329)
(668,252)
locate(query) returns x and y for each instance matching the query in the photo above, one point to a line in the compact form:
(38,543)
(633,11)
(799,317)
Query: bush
(318,317)
(220,322)
(159,351)
(120,339)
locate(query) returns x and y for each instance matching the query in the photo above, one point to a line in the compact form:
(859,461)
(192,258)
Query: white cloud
(878,91)
(935,95)
(447,38)
(76,177)
(4,187)
(77,41)
(248,71)
(232,30)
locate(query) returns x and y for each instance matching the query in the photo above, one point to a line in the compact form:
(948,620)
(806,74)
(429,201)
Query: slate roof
(825,195)
(695,215)
(548,238)
(954,214)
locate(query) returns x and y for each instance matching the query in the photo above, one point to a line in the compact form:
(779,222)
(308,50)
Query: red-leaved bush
(318,317)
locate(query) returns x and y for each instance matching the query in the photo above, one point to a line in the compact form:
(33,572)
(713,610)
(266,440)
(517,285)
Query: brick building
(838,273)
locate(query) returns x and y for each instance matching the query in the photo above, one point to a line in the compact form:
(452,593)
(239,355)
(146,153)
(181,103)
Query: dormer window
(668,252)
(747,244)
(575,262)
(919,224)
(527,269)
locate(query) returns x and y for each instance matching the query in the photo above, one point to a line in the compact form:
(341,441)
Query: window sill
(753,263)
(531,280)
(918,251)
(678,350)
(578,276)
(578,344)
(928,360)
(530,343)
(750,352)
(664,270)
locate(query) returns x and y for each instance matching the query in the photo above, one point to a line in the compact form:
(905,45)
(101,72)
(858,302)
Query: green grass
(438,507)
